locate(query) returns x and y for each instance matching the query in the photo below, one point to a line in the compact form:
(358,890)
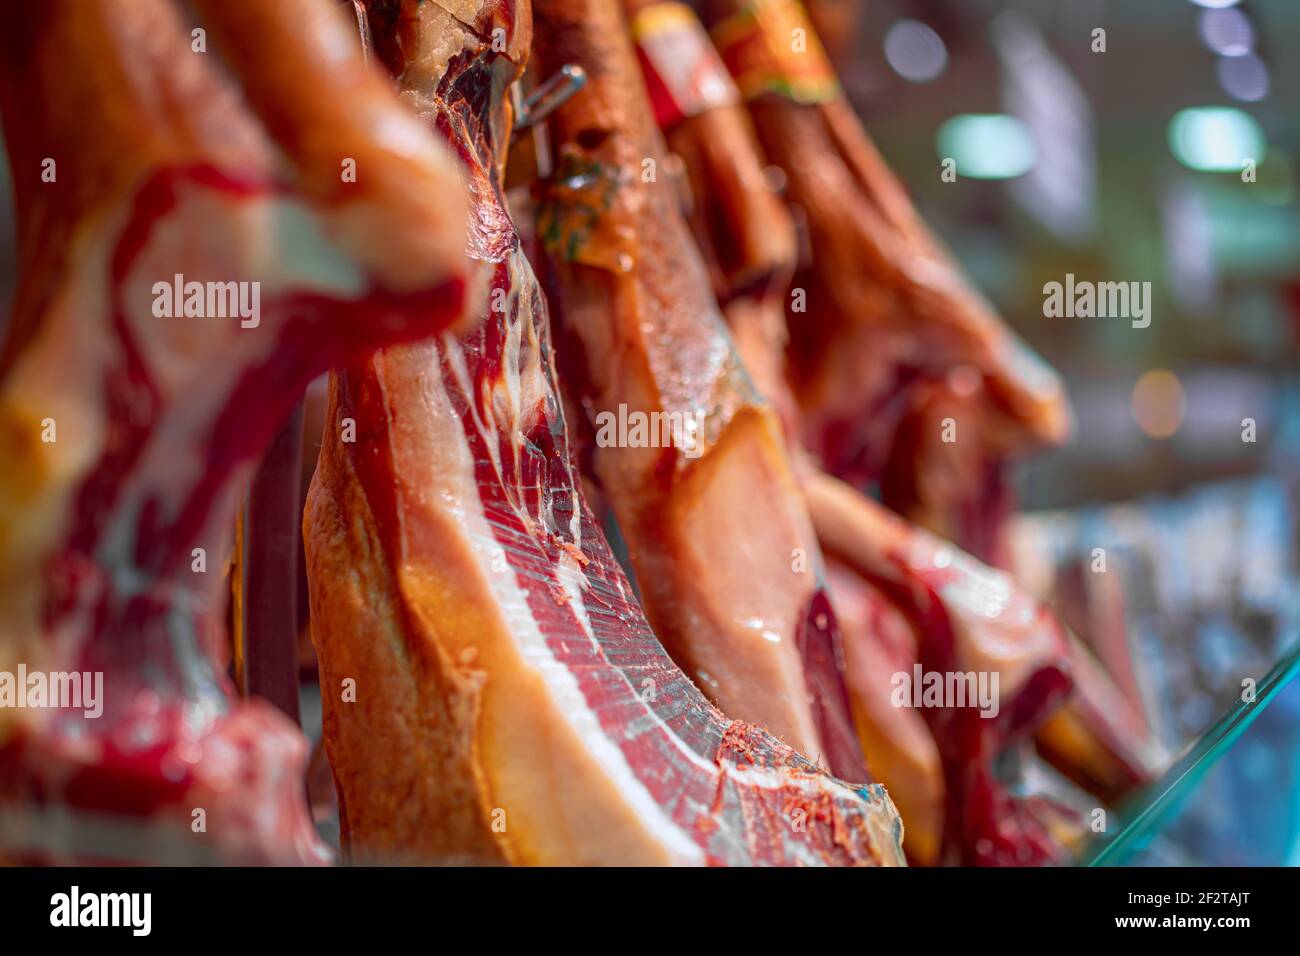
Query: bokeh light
(1158,403)
(1227,32)
(915,51)
(1244,77)
(1215,138)
(988,145)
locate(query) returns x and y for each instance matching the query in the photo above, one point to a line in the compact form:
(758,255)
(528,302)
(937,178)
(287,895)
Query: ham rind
(493,692)
(747,239)
(113,533)
(719,538)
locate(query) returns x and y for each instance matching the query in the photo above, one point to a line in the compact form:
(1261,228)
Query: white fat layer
(466,384)
(441,30)
(512,603)
(270,240)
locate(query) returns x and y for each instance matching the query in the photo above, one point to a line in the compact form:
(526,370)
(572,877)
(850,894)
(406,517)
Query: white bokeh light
(1227,32)
(915,51)
(1244,77)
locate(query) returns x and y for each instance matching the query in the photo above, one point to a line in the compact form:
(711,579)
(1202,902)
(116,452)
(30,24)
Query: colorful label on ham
(770,47)
(683,73)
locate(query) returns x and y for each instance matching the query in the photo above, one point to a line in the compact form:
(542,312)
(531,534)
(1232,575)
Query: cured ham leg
(492,691)
(718,535)
(748,241)
(881,305)
(190,257)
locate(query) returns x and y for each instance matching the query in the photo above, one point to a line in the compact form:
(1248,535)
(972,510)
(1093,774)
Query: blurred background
(1137,141)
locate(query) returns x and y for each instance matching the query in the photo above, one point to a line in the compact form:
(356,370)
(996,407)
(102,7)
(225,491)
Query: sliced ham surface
(127,430)
(493,692)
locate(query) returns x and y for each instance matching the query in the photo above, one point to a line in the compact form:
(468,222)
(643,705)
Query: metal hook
(550,95)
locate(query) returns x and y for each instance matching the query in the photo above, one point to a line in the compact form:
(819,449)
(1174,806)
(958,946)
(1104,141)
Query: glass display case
(1231,799)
